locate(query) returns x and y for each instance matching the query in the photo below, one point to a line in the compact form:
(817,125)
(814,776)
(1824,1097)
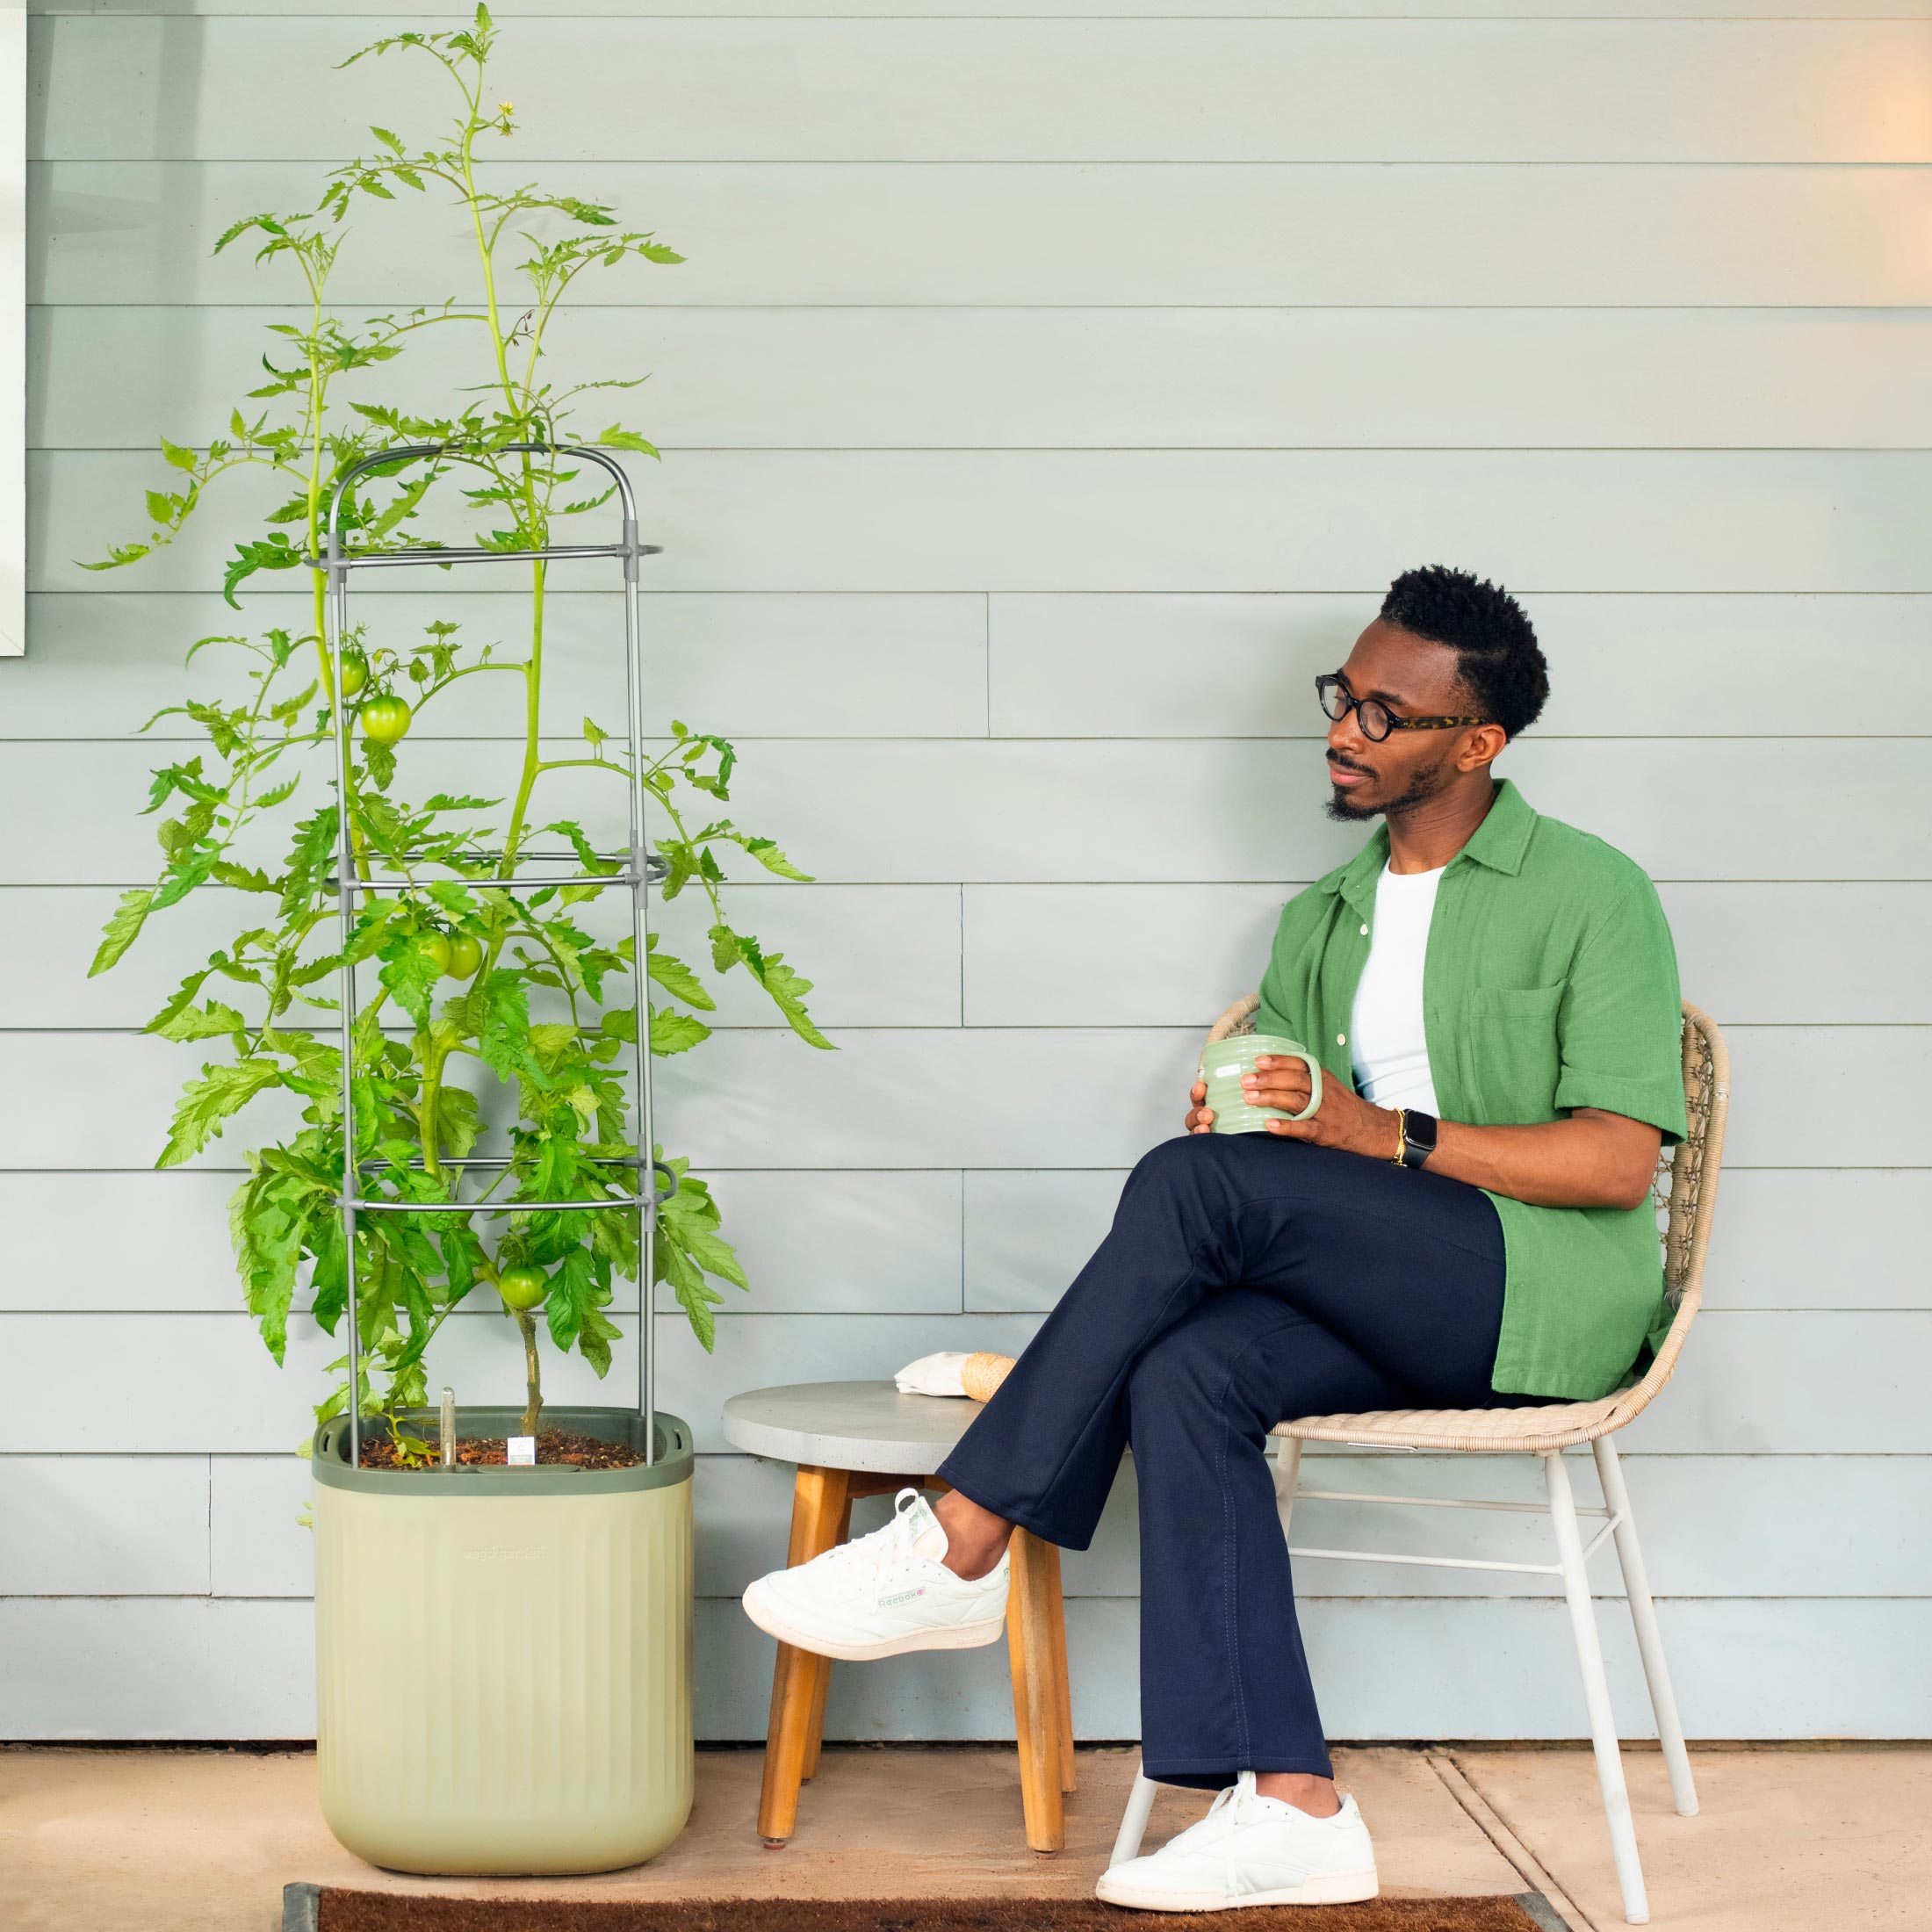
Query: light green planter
(503,1656)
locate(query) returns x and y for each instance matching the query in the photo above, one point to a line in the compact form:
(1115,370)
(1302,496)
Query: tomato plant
(541,1008)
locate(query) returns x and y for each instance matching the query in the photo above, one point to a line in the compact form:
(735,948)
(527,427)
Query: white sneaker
(1250,1850)
(883,1593)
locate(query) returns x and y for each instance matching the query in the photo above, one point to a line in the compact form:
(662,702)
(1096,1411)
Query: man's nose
(1344,737)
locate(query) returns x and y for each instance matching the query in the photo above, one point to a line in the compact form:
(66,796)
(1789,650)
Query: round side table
(853,1439)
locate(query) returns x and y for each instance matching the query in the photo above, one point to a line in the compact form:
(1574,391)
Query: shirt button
(1341,1040)
(1365,928)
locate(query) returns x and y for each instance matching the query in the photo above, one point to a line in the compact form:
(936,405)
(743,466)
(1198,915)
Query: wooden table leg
(820,1504)
(1030,1618)
(1056,1626)
(815,1731)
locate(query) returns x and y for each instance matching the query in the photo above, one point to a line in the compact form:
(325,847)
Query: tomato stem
(533,1377)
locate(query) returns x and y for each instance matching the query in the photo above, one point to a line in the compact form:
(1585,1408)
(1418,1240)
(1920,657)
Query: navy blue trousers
(1246,1280)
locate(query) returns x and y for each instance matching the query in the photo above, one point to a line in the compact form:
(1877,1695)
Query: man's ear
(1485,747)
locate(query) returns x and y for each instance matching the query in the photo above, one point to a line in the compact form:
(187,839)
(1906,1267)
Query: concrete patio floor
(1789,1839)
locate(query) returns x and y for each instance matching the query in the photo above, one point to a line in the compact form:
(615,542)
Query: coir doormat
(327,1908)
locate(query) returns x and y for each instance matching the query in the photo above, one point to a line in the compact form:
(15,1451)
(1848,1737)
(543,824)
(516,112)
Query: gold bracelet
(1401,1134)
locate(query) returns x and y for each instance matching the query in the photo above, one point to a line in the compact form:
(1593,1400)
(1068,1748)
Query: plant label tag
(523,1449)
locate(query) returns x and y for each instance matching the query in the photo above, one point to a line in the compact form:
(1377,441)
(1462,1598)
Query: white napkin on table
(933,1374)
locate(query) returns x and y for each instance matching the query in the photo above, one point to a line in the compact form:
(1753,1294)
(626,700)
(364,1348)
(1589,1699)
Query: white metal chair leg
(1287,1477)
(1589,1659)
(1140,1799)
(1140,1802)
(1643,1614)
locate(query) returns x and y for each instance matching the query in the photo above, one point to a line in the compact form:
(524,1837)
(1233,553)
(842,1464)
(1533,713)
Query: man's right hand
(1200,1119)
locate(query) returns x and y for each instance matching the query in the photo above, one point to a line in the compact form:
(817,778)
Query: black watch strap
(1418,1137)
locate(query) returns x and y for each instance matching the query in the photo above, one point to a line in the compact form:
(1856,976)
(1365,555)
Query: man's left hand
(1344,1120)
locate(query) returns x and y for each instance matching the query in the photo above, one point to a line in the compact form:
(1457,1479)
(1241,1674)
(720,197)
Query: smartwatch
(1418,1137)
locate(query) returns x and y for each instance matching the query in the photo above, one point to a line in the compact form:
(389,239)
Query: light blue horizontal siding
(1032,441)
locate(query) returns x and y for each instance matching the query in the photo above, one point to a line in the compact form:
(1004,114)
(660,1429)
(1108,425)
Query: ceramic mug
(1222,1067)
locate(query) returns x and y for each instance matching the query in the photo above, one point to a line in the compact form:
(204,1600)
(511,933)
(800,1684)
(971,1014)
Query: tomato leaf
(677,978)
(273,551)
(593,1343)
(587,855)
(208,1022)
(269,1220)
(715,1254)
(206,1102)
(788,989)
(617,437)
(504,1027)
(410,975)
(675,1032)
(182,996)
(695,1295)
(572,1295)
(123,928)
(457,1125)
(773,860)
(309,857)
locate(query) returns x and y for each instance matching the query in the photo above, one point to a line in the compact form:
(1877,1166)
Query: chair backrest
(1685,1189)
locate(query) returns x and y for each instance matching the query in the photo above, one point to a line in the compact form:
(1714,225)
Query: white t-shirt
(1389,1046)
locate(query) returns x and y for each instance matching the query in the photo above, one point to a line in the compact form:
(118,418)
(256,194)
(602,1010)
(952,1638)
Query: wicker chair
(1685,1193)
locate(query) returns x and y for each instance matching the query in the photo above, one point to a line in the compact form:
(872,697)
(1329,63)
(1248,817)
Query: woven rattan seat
(1684,1191)
(1560,1425)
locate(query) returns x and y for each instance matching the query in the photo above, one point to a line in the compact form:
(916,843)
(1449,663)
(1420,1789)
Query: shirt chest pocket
(1510,1054)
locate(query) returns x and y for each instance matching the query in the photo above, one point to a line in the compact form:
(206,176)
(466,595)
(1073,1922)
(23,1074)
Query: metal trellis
(638,871)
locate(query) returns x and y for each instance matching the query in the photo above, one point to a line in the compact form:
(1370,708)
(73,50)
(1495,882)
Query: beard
(1422,786)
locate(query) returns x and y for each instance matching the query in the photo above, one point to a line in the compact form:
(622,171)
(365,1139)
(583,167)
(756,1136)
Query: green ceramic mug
(1222,1067)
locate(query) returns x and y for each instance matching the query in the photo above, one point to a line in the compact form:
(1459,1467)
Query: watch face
(1420,1129)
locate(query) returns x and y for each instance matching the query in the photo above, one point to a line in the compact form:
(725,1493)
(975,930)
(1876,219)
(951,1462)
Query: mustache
(1340,765)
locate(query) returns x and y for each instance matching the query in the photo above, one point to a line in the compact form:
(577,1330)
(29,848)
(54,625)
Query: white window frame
(13,328)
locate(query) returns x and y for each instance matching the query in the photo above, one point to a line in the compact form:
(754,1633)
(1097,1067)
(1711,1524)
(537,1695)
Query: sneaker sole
(1331,1888)
(774,1623)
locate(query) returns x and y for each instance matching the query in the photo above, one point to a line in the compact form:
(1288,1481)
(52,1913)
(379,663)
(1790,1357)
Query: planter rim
(330,1453)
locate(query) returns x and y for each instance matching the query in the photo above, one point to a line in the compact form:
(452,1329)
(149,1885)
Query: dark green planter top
(673,1465)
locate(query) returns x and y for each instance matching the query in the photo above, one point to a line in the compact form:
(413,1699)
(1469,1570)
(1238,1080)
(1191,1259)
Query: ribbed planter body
(503,1656)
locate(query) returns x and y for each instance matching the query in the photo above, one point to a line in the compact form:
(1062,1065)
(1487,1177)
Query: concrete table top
(848,1425)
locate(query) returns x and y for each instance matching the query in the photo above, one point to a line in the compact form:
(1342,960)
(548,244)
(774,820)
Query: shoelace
(1234,1805)
(889,1545)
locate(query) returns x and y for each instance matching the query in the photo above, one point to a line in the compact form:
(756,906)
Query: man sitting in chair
(1462,1224)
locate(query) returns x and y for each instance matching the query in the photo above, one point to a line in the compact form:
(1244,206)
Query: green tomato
(385,720)
(355,672)
(435,947)
(466,955)
(522,1287)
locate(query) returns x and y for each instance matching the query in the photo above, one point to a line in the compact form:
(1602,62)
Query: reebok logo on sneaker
(903,1597)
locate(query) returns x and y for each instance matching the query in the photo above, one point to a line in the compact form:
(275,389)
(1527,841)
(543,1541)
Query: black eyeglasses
(1376,719)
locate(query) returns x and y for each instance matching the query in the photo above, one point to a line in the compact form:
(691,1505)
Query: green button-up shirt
(1549,982)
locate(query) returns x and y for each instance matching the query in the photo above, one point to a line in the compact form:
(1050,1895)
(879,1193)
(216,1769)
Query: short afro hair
(1496,651)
